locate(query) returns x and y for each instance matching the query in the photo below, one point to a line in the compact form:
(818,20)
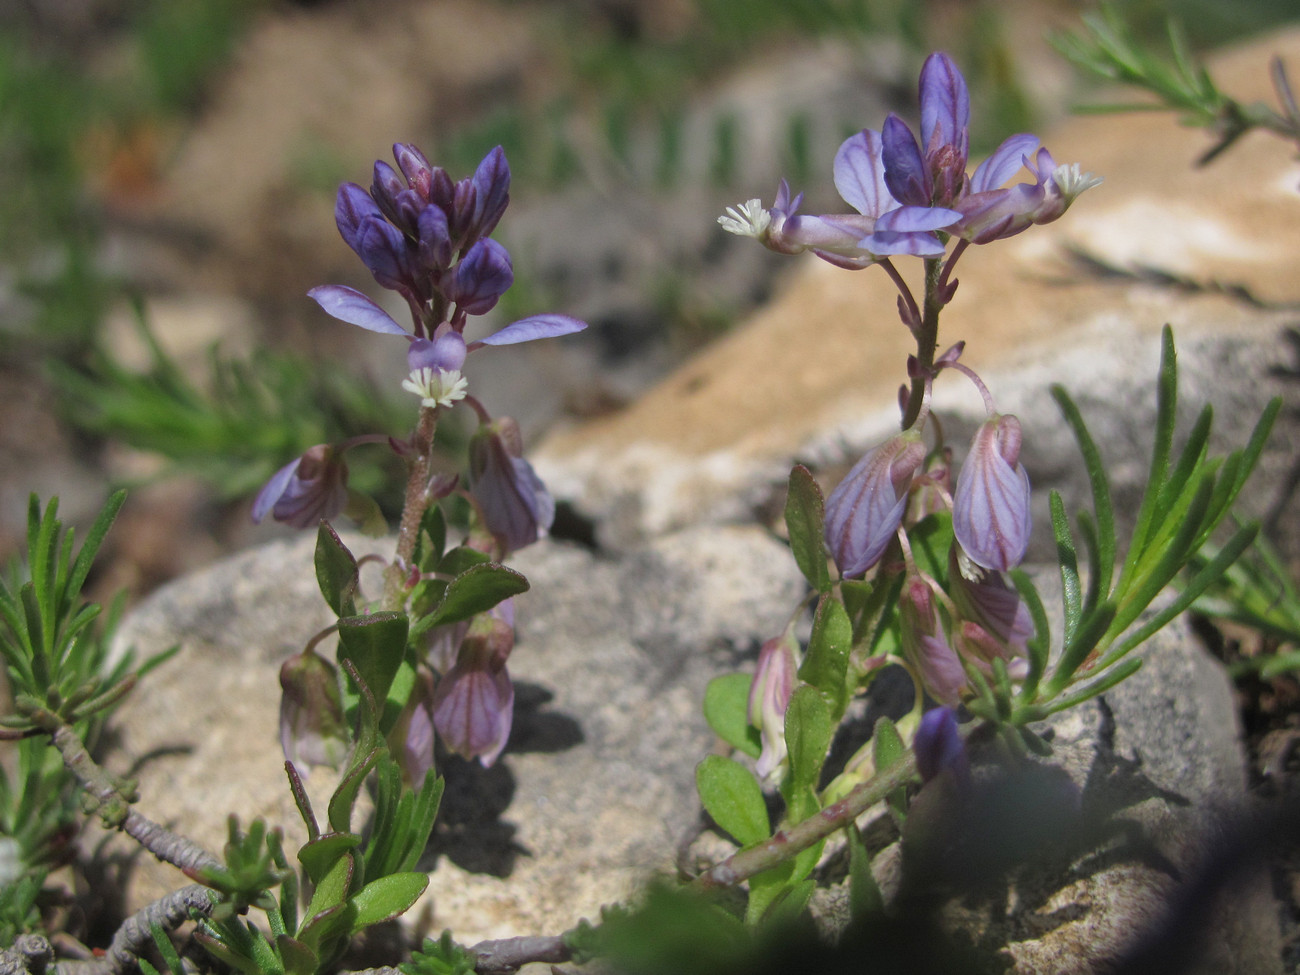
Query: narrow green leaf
(805,518)
(726,708)
(826,662)
(94,539)
(808,730)
(1039,646)
(1091,630)
(302,801)
(1099,481)
(345,796)
(336,571)
(1166,407)
(1071,597)
(387,898)
(1121,671)
(1189,460)
(865,898)
(433,537)
(886,744)
(733,797)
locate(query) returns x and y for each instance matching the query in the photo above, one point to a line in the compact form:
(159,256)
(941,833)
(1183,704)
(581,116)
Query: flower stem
(927,341)
(416,504)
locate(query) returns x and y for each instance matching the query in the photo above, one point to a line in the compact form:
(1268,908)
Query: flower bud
(473,705)
(311,712)
(990,508)
(984,599)
(307,490)
(939,747)
(769,696)
(865,510)
(515,506)
(934,663)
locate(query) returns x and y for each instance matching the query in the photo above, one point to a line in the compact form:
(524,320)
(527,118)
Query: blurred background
(168,168)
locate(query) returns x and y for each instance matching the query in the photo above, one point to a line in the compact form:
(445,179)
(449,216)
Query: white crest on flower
(749,219)
(1072,181)
(436,387)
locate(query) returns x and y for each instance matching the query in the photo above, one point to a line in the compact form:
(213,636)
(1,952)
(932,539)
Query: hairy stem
(413,508)
(135,934)
(114,806)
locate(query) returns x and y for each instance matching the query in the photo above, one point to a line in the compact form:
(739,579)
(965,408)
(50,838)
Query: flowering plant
(910,561)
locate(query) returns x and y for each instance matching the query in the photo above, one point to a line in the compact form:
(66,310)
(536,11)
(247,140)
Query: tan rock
(821,365)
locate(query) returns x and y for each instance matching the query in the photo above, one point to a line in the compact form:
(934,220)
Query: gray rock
(597,786)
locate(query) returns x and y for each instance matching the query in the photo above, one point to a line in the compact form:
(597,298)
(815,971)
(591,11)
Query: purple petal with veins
(1006,161)
(860,174)
(351,306)
(905,171)
(945,106)
(912,219)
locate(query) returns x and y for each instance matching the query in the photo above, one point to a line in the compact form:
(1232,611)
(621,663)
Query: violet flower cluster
(427,238)
(913,196)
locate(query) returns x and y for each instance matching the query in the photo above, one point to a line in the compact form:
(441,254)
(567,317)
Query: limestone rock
(597,786)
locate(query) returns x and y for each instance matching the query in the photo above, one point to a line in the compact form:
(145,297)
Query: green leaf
(433,538)
(345,796)
(805,517)
(459,559)
(1099,481)
(376,645)
(474,591)
(298,958)
(336,571)
(826,663)
(94,538)
(726,708)
(331,893)
(864,893)
(1071,592)
(319,856)
(733,797)
(387,898)
(808,730)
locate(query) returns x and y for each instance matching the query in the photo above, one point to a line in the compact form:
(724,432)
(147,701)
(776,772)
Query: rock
(813,375)
(596,788)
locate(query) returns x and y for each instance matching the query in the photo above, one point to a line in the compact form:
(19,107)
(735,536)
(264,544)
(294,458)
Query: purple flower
(905,190)
(473,704)
(990,507)
(938,745)
(769,696)
(311,712)
(414,729)
(866,508)
(307,490)
(925,646)
(514,504)
(443,643)
(993,608)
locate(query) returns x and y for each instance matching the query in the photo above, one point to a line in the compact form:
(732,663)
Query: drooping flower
(769,696)
(990,506)
(866,508)
(312,731)
(516,507)
(925,645)
(995,620)
(306,490)
(473,704)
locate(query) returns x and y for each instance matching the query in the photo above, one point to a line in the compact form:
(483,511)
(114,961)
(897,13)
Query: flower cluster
(907,192)
(427,238)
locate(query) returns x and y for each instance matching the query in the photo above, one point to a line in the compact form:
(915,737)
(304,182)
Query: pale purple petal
(889,242)
(351,306)
(1006,161)
(945,106)
(990,506)
(534,327)
(912,219)
(446,353)
(860,174)
(274,489)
